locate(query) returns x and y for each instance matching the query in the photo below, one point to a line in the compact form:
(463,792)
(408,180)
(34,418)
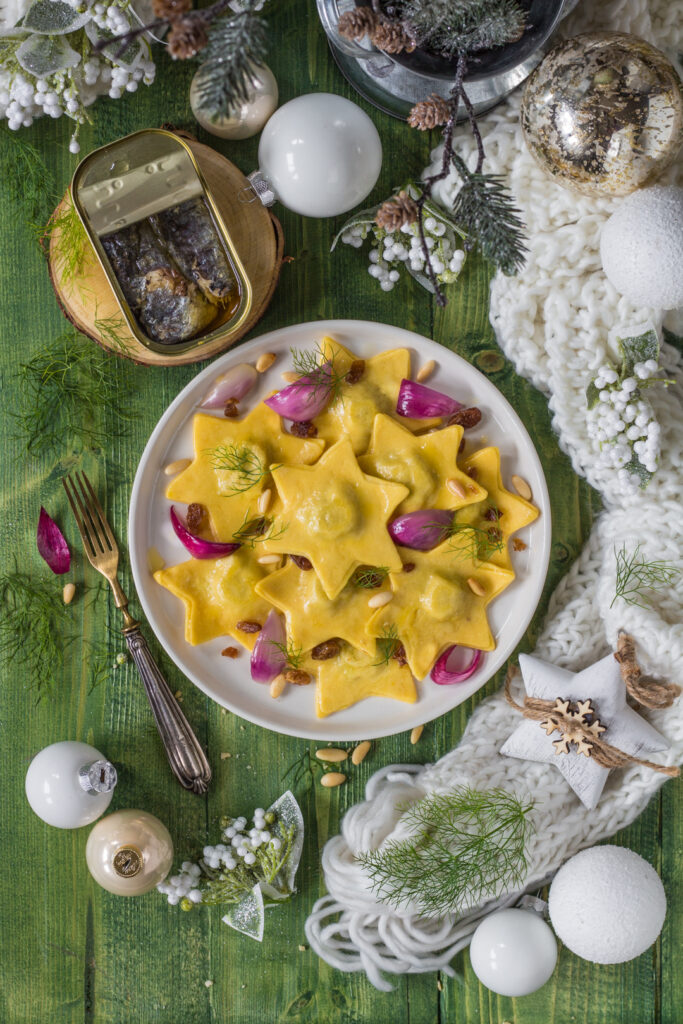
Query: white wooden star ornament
(587,704)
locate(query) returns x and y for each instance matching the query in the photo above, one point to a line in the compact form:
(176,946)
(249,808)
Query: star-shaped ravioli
(311,617)
(230,466)
(353,676)
(434,605)
(423,463)
(501,511)
(217,594)
(336,516)
(353,411)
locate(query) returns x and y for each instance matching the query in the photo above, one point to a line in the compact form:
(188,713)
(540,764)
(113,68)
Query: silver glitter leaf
(248,915)
(54,17)
(289,817)
(44,55)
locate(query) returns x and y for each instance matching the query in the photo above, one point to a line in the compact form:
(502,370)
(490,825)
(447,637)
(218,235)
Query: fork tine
(89,517)
(73,497)
(94,500)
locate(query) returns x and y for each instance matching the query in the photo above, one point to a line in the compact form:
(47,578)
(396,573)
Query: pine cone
(394,213)
(188,36)
(392,37)
(429,113)
(357,23)
(170,10)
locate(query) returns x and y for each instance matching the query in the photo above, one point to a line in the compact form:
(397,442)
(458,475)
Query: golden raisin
(246,626)
(230,652)
(196,514)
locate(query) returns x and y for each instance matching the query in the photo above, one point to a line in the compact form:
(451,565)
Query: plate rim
(401,338)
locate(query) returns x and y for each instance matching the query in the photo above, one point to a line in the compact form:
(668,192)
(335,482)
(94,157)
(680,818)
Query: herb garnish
(469,540)
(635,576)
(320,369)
(71,250)
(293,655)
(254,530)
(241,460)
(465,846)
(369,577)
(388,644)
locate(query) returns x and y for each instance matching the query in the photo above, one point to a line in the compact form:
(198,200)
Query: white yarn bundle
(556,321)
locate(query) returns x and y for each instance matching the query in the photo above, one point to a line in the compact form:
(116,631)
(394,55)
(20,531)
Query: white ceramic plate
(229,682)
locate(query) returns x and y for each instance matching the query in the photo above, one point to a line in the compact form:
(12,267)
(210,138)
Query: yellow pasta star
(434,606)
(353,411)
(423,463)
(231,461)
(336,516)
(217,594)
(311,617)
(353,676)
(501,510)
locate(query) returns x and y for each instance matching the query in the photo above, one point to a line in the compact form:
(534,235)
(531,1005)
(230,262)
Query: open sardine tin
(161,242)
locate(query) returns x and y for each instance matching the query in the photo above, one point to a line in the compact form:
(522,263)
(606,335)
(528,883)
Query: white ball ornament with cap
(513,952)
(70,784)
(319,155)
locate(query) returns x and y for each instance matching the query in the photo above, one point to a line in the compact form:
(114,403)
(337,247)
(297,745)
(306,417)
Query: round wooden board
(89,302)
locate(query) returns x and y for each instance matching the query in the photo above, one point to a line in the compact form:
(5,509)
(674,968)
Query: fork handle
(186,757)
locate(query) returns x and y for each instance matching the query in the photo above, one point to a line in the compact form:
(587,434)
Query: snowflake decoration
(574,724)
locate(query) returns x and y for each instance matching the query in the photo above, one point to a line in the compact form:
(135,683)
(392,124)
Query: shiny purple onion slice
(449,669)
(52,544)
(197,546)
(420,402)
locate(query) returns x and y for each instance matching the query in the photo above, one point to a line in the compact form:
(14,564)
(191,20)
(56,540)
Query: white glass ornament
(245,119)
(513,952)
(129,852)
(70,784)
(320,154)
(641,247)
(607,904)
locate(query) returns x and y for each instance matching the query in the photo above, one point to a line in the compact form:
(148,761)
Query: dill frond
(25,177)
(33,634)
(474,541)
(369,577)
(71,251)
(293,655)
(635,576)
(254,530)
(113,331)
(66,390)
(248,467)
(465,846)
(388,644)
(304,767)
(309,365)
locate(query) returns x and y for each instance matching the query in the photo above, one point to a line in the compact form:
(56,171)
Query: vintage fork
(187,758)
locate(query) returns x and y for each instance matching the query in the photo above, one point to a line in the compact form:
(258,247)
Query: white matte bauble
(129,852)
(642,247)
(321,155)
(245,119)
(607,904)
(513,952)
(70,784)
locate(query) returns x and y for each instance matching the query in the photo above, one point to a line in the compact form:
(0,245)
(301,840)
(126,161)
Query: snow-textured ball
(607,904)
(642,247)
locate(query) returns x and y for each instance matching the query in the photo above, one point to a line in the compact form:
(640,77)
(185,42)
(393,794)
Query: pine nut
(176,467)
(425,371)
(331,779)
(522,487)
(269,559)
(360,752)
(476,587)
(68,592)
(265,361)
(379,600)
(416,733)
(264,501)
(154,560)
(278,686)
(331,754)
(456,488)
(290,376)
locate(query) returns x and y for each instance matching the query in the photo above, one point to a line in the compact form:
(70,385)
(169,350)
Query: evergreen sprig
(236,44)
(485,210)
(451,27)
(33,634)
(636,576)
(466,845)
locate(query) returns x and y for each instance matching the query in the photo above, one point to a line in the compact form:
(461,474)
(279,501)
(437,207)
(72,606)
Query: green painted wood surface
(71,952)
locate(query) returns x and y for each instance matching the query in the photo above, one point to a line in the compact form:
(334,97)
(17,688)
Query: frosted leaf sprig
(255,867)
(621,423)
(394,252)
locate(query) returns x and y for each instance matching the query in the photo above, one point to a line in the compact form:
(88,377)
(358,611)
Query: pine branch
(236,44)
(486,211)
(463,27)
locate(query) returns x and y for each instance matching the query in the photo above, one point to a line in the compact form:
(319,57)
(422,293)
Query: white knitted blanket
(554,321)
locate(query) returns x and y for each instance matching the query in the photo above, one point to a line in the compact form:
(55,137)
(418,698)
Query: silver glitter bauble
(603,113)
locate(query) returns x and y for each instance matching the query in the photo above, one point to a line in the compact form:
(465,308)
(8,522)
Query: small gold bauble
(245,119)
(603,113)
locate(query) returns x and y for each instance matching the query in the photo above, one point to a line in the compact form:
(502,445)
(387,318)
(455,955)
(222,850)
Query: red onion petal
(442,675)
(236,383)
(268,657)
(421,530)
(304,399)
(52,544)
(197,546)
(420,402)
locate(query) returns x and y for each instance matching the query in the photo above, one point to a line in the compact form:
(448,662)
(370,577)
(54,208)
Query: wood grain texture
(71,952)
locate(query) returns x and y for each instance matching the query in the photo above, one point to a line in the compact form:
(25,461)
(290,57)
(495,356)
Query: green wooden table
(71,951)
